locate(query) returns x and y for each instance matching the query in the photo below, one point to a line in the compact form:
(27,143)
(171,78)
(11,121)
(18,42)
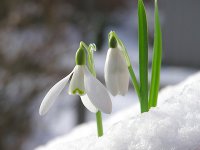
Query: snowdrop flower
(94,95)
(116,70)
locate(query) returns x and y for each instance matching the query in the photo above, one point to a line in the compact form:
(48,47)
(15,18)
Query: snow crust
(173,125)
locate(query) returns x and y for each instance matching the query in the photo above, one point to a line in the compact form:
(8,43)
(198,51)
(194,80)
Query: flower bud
(112,42)
(80,56)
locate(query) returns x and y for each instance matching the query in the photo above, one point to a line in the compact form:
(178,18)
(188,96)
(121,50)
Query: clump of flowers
(94,96)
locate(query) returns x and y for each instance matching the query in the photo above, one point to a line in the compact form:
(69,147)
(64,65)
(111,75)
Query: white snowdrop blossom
(94,95)
(116,70)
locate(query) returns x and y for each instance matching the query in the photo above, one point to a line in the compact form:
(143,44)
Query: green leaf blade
(143,55)
(157,60)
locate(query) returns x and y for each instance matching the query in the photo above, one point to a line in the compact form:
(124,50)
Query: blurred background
(38,42)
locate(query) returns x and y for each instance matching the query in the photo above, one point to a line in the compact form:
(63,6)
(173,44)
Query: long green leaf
(143,55)
(157,59)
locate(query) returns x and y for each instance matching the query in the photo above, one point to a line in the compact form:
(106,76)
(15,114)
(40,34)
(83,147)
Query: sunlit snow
(174,124)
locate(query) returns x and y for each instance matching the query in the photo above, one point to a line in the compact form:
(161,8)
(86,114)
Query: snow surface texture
(173,125)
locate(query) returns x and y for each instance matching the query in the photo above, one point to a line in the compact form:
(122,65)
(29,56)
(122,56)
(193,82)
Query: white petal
(123,82)
(53,93)
(88,104)
(97,93)
(76,85)
(116,72)
(110,71)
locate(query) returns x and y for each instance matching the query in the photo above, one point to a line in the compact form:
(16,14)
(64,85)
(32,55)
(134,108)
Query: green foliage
(147,99)
(143,55)
(157,60)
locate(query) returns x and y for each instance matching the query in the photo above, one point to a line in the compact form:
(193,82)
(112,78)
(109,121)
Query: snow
(174,124)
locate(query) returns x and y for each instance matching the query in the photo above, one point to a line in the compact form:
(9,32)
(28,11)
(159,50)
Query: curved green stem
(90,49)
(134,81)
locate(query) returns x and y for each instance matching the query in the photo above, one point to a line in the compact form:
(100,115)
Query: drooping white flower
(94,95)
(116,70)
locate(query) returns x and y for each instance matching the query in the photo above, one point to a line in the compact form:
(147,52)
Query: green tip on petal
(112,42)
(80,56)
(78,91)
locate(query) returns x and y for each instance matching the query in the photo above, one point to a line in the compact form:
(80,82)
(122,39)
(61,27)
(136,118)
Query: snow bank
(173,125)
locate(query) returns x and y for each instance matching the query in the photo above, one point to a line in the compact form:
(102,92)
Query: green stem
(99,124)
(91,68)
(134,81)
